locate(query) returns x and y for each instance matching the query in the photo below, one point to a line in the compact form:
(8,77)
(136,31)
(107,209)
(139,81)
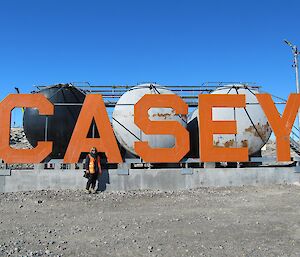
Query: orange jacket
(92,164)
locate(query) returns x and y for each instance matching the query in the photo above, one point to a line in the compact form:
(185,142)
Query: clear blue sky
(126,42)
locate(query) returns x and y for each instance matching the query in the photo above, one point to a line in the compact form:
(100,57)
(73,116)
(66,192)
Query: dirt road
(247,221)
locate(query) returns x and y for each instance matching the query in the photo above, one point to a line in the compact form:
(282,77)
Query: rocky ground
(18,139)
(243,221)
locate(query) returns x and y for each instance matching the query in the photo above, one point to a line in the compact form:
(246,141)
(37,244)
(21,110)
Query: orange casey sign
(281,126)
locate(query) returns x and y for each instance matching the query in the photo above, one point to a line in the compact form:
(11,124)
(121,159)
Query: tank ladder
(294,143)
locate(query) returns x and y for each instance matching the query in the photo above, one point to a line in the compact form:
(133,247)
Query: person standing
(92,169)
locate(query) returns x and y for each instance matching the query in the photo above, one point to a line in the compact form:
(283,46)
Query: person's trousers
(91,181)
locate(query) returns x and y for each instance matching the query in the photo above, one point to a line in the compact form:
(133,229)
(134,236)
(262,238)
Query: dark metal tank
(193,130)
(61,124)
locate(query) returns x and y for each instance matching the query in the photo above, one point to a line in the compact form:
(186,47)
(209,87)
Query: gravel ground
(242,221)
(245,221)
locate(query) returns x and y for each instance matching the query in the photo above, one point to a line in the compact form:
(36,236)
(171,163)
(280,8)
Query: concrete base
(155,179)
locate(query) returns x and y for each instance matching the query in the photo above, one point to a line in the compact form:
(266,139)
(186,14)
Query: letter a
(93,108)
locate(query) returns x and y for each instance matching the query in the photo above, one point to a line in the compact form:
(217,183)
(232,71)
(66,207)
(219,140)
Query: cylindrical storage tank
(253,129)
(123,118)
(60,125)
